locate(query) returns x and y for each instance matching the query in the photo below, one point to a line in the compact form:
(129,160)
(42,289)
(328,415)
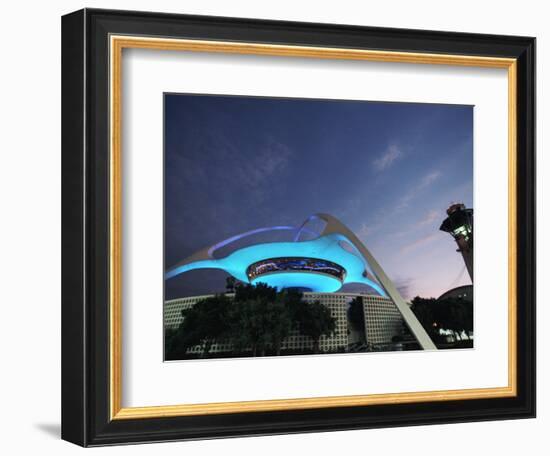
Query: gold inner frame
(117,44)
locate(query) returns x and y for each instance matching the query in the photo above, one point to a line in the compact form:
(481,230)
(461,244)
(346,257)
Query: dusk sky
(387,170)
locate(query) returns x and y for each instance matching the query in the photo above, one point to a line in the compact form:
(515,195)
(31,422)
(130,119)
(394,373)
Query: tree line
(455,314)
(254,321)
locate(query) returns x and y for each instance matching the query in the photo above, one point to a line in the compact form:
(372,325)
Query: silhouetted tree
(458,315)
(356,314)
(174,346)
(259,324)
(261,318)
(230,284)
(423,308)
(244,292)
(315,320)
(257,318)
(202,324)
(455,314)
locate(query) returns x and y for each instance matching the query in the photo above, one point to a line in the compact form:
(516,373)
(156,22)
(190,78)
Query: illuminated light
(325,247)
(310,265)
(318,282)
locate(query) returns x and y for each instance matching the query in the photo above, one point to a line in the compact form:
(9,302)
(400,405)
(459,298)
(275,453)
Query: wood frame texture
(92,45)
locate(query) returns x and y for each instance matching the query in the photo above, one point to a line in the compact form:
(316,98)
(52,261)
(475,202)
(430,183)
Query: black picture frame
(85,224)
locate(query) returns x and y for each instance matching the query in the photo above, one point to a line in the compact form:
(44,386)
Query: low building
(465,292)
(383,321)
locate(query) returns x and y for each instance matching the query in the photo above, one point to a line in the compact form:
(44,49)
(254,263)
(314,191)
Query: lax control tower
(460,225)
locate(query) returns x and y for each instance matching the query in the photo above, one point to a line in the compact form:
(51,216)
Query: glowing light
(320,283)
(327,247)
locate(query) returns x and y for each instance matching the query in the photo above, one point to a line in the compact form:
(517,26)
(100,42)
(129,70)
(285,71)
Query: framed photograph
(268,227)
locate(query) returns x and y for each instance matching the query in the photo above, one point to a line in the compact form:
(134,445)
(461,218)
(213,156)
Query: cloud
(430,217)
(271,160)
(424,182)
(365,230)
(404,286)
(391,154)
(429,178)
(236,182)
(419,242)
(381,219)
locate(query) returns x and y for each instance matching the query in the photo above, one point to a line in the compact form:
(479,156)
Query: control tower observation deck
(460,225)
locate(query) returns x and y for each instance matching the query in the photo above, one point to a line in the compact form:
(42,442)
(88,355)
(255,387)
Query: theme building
(322,256)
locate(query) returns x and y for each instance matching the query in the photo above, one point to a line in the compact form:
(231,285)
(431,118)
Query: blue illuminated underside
(322,283)
(325,247)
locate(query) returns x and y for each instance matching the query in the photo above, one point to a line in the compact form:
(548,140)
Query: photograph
(268,225)
(301,226)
